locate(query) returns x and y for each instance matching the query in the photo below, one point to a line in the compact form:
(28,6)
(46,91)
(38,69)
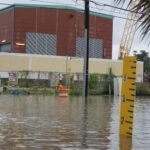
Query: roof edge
(6,9)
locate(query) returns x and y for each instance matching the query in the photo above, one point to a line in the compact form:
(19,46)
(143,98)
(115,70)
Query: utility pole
(86,56)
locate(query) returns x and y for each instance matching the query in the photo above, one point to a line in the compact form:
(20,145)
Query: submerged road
(53,123)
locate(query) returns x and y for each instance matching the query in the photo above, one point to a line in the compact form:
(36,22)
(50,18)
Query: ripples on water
(53,123)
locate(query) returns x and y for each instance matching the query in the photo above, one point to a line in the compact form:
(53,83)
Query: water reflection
(84,123)
(95,127)
(47,123)
(125,142)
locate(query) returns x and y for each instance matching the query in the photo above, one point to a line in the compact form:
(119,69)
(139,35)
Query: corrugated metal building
(53,30)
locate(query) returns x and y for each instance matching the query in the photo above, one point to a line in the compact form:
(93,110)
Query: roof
(9,8)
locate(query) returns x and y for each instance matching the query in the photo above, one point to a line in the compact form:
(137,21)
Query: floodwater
(53,123)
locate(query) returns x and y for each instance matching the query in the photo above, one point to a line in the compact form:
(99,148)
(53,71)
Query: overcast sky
(118,24)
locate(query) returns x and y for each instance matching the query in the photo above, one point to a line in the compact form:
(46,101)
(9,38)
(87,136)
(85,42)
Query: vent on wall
(39,43)
(95,47)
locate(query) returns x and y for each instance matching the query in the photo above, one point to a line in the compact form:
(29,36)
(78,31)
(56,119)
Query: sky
(118,23)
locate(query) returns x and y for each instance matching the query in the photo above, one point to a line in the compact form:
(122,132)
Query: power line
(101,4)
(107,11)
(42,1)
(121,16)
(119,8)
(107,5)
(63,3)
(98,4)
(81,6)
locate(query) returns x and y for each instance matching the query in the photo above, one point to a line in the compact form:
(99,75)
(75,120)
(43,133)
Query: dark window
(5,48)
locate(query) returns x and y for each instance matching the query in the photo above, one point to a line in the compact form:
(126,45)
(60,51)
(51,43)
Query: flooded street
(53,123)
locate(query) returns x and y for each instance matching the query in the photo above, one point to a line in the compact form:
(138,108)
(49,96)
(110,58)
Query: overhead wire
(116,7)
(108,5)
(96,3)
(58,3)
(116,16)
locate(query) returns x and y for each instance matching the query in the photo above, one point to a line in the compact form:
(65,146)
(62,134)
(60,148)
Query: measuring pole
(86,57)
(128,95)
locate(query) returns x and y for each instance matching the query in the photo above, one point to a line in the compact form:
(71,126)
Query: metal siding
(80,44)
(40,20)
(31,45)
(39,43)
(25,21)
(107,37)
(80,24)
(46,20)
(51,44)
(66,32)
(95,47)
(6,27)
(59,22)
(92,29)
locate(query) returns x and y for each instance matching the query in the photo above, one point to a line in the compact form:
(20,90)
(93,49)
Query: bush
(93,80)
(142,89)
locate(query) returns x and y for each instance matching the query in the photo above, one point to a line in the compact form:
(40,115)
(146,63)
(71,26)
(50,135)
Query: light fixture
(20,44)
(3,41)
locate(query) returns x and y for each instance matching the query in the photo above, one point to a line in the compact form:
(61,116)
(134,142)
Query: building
(53,30)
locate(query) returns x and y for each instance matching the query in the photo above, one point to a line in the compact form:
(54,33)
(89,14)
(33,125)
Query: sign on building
(13,78)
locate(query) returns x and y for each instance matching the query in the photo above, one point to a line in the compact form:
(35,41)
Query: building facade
(54,30)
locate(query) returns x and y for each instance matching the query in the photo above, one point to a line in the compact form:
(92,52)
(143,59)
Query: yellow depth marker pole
(128,95)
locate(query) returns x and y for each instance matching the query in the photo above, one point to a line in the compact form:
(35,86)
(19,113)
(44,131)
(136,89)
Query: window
(5,48)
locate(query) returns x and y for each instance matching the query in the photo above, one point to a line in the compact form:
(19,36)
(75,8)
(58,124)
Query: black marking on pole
(130,111)
(132,106)
(129,133)
(130,128)
(133,83)
(130,100)
(132,95)
(133,72)
(132,89)
(128,122)
(133,67)
(131,117)
(131,78)
(134,61)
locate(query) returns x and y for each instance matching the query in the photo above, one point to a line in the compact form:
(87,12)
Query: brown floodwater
(53,123)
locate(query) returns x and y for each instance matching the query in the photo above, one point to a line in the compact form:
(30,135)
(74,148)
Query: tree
(144,56)
(143,8)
